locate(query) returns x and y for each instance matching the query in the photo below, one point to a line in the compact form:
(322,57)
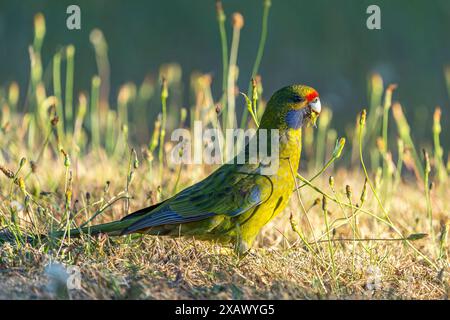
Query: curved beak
(316,106)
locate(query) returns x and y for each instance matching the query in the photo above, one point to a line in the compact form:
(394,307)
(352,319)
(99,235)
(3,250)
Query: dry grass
(278,268)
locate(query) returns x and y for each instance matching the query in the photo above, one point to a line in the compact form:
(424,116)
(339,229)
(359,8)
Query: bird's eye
(297,98)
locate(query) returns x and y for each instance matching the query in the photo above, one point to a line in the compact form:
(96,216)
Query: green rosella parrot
(237,200)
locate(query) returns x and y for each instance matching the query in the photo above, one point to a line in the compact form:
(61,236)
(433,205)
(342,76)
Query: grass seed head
(377,83)
(381,145)
(70,51)
(7,172)
(13,93)
(437,120)
(426,159)
(39,26)
(362,119)
(237,20)
(164,88)
(219,10)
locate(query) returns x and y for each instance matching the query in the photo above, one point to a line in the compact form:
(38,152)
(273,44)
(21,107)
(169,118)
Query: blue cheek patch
(294,119)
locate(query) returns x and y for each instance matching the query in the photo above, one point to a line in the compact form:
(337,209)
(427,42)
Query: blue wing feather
(233,196)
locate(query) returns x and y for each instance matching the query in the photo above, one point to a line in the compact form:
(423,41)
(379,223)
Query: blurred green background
(323,43)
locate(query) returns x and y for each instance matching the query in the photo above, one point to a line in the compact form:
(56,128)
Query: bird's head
(291,108)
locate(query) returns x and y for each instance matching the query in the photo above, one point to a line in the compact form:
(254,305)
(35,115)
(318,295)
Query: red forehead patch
(312,95)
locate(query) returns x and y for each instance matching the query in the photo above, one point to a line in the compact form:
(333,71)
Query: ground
(280,266)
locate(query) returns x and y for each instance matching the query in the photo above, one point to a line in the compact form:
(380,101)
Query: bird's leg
(241,247)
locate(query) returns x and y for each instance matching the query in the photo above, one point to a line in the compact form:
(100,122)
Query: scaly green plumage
(236,201)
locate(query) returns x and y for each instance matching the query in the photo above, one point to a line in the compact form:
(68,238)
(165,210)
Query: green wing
(225,192)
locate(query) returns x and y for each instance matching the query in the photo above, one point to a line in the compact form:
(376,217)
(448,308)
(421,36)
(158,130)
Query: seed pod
(324,204)
(364,192)
(136,160)
(338,148)
(66,158)
(348,192)
(362,119)
(331,181)
(164,89)
(22,162)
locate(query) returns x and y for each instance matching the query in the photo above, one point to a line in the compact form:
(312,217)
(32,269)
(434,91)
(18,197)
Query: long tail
(114,228)
(111,228)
